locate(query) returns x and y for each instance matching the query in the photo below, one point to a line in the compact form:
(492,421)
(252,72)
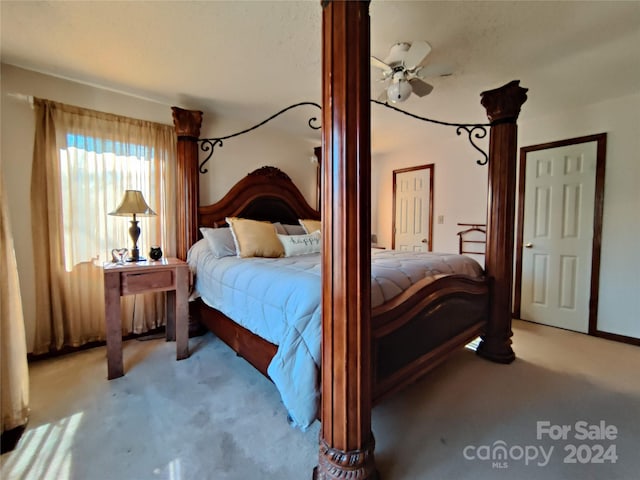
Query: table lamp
(134,204)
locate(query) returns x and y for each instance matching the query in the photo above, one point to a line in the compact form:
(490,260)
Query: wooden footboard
(420,328)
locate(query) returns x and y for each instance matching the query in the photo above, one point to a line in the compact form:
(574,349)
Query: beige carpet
(212,417)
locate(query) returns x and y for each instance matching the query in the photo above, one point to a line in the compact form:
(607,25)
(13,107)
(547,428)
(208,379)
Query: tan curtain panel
(14,374)
(83,162)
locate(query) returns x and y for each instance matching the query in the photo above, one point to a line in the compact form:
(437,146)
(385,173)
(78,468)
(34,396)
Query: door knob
(424,240)
(529,245)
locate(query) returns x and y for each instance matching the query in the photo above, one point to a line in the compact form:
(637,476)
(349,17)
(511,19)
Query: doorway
(412,220)
(559,232)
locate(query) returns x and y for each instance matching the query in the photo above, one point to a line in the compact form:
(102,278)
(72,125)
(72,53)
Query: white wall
(461,192)
(237,158)
(460,185)
(261,147)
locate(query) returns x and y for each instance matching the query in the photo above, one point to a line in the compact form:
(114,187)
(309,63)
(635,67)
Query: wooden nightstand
(168,274)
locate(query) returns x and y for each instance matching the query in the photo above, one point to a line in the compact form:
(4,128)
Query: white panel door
(412,223)
(557,235)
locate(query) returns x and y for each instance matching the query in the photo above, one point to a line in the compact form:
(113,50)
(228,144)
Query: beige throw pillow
(310,226)
(255,239)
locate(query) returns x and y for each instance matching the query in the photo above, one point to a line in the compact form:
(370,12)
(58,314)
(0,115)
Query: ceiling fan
(403,73)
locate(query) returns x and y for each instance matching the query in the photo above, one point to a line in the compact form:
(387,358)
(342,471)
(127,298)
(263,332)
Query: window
(94,173)
(83,162)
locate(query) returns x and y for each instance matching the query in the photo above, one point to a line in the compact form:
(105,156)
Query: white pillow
(301,244)
(220,241)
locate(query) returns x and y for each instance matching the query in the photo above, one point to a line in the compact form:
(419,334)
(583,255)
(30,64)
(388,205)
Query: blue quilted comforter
(280,300)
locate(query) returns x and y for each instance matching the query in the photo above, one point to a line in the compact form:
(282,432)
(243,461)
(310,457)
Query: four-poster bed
(365,354)
(410,333)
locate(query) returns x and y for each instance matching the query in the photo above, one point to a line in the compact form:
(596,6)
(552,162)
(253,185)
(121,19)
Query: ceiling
(250,59)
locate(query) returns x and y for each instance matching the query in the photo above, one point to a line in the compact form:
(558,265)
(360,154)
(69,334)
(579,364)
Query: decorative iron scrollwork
(479,128)
(208,145)
(481,133)
(474,131)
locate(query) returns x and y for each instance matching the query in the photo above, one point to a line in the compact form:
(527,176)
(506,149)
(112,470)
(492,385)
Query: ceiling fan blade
(434,70)
(420,88)
(383,96)
(417,52)
(376,62)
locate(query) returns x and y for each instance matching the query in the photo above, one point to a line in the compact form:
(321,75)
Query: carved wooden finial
(503,104)
(270,172)
(187,122)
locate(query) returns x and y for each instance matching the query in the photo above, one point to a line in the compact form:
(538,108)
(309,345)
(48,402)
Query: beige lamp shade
(133,203)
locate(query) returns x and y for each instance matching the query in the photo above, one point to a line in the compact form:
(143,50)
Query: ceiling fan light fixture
(399,91)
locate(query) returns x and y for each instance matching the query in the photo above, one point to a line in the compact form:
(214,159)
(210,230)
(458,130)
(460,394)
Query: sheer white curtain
(83,162)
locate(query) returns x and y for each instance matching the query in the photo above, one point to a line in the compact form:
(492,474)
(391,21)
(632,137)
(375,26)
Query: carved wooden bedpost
(187,124)
(346,441)
(503,107)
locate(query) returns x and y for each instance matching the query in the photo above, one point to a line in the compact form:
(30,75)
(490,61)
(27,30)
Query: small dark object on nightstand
(155,253)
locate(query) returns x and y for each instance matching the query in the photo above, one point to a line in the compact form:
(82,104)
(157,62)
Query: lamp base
(139,259)
(135,254)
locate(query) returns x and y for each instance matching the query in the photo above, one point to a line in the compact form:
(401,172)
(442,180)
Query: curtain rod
(21,97)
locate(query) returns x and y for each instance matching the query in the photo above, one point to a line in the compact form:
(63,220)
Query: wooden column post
(346,441)
(503,107)
(187,124)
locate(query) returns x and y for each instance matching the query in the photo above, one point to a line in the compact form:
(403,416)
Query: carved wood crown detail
(272,172)
(187,122)
(503,104)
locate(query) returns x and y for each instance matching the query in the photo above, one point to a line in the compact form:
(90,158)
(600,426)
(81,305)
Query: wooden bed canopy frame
(365,354)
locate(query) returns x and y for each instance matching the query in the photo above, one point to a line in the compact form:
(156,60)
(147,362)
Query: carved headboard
(264,194)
